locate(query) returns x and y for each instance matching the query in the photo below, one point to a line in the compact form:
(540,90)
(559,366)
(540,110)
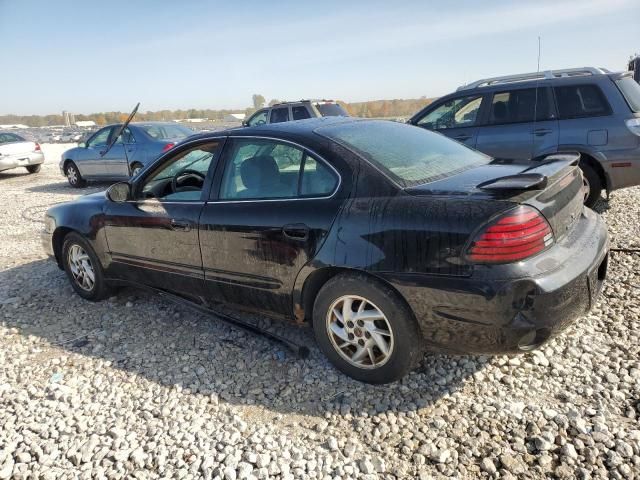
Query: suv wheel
(365,330)
(592,187)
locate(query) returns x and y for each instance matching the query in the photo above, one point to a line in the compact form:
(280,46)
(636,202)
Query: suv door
(510,132)
(275,206)
(457,118)
(279,114)
(117,160)
(153,239)
(89,159)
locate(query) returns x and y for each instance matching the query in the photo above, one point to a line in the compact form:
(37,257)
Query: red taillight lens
(516,235)
(38,149)
(168,146)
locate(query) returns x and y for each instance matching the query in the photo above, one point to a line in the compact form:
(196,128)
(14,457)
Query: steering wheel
(184,174)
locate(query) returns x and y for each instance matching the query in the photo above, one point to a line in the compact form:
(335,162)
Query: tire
(34,168)
(592,185)
(404,343)
(73,175)
(135,168)
(77,269)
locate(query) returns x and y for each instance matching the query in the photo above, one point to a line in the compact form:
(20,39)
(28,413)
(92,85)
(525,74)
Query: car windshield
(631,92)
(408,155)
(331,110)
(165,132)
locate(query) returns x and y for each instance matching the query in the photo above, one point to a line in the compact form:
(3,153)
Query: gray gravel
(135,387)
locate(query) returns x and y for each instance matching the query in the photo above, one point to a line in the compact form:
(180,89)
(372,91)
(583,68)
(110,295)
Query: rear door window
(300,112)
(520,106)
(455,113)
(577,101)
(279,115)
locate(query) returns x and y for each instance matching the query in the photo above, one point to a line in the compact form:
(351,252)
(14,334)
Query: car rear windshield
(408,155)
(331,110)
(164,132)
(631,92)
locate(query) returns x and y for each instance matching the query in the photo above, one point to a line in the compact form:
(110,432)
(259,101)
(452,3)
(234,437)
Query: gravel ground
(135,387)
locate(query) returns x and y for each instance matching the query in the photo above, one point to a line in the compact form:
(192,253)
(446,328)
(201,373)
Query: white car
(16,151)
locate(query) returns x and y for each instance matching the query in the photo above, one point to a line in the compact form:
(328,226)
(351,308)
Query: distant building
(234,117)
(11,126)
(85,123)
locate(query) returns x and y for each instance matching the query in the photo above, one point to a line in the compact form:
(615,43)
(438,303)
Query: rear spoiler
(528,180)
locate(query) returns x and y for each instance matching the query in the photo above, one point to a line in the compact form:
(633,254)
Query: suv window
(279,115)
(267,169)
(578,101)
(300,112)
(259,118)
(631,92)
(456,113)
(518,106)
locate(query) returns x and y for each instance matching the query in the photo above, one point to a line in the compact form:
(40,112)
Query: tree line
(371,109)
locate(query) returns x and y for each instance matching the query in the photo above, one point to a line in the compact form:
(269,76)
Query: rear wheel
(33,168)
(73,175)
(365,329)
(592,186)
(83,268)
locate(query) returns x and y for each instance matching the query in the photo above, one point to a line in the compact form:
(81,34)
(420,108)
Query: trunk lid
(553,186)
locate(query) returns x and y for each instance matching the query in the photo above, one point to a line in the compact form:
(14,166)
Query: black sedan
(386,238)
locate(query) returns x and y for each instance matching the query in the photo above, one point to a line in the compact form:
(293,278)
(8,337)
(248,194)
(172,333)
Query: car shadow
(169,344)
(601,205)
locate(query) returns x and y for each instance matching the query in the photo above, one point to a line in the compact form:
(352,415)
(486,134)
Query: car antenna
(535,106)
(115,137)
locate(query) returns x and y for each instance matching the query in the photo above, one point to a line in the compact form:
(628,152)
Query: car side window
(455,113)
(518,106)
(578,101)
(279,115)
(126,137)
(259,118)
(9,138)
(317,179)
(300,112)
(100,139)
(182,177)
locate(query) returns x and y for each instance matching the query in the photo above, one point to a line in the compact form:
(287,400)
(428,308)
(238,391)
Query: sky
(91,56)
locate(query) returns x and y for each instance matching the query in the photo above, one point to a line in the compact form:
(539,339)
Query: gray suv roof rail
(544,75)
(302,101)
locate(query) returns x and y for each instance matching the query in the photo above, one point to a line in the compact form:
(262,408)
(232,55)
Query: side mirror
(119,192)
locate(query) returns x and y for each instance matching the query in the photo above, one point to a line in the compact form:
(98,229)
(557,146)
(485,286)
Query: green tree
(258,101)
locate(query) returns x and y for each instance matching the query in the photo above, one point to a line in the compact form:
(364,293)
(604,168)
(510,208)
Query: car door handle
(463,137)
(296,231)
(541,131)
(181,225)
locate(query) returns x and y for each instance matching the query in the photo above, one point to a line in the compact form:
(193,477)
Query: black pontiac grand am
(386,238)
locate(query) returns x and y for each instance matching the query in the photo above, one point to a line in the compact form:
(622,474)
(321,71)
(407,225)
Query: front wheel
(73,176)
(33,168)
(83,268)
(365,329)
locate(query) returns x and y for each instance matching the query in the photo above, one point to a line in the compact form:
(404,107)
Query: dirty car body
(357,210)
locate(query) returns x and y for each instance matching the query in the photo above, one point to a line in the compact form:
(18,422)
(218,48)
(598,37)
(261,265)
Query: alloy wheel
(586,188)
(81,268)
(360,332)
(72,175)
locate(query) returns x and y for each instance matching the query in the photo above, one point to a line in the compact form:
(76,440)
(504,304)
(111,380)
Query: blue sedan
(139,144)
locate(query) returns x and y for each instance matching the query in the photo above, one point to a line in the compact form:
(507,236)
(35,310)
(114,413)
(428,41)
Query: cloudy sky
(95,56)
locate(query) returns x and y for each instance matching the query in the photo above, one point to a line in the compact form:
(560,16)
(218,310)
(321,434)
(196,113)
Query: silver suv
(525,117)
(283,112)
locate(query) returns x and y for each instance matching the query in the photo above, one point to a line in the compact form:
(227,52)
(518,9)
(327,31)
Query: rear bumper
(489,313)
(15,161)
(622,168)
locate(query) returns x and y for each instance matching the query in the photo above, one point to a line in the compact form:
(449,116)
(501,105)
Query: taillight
(168,146)
(518,234)
(37,149)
